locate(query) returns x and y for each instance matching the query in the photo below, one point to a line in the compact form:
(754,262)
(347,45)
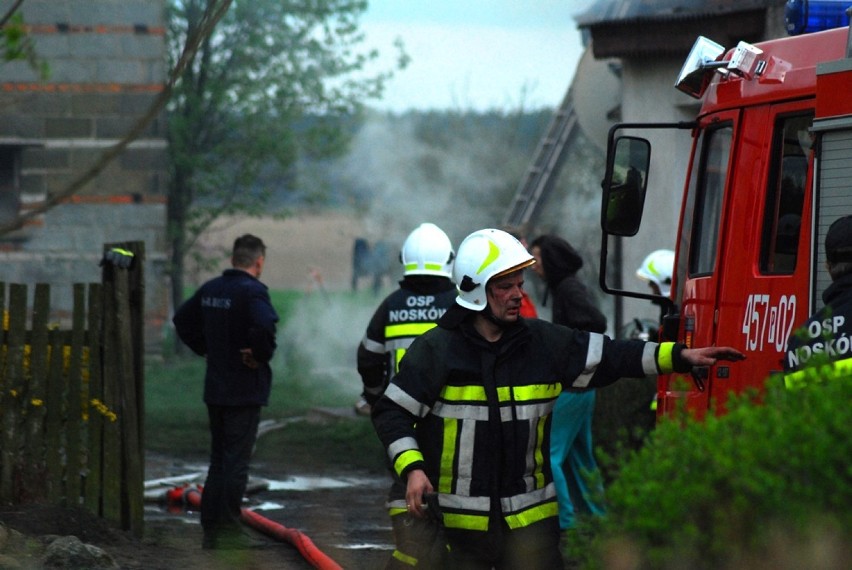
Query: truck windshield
(706,189)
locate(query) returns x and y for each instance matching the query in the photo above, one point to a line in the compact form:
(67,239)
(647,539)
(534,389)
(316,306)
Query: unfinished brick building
(107,64)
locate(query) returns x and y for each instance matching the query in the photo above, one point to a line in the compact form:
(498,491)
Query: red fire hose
(306,547)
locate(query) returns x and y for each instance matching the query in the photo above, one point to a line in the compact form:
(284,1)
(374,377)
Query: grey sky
(477,54)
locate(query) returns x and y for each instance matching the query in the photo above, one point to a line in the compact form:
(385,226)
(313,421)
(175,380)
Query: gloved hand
(118,257)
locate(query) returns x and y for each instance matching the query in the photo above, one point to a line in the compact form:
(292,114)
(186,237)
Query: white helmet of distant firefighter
(427,251)
(657,268)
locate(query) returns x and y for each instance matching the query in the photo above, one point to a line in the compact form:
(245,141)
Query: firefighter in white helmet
(657,269)
(424,295)
(467,417)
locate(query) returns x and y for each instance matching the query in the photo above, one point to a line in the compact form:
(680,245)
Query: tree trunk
(177,208)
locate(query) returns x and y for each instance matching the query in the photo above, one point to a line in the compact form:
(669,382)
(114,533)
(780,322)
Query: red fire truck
(770,169)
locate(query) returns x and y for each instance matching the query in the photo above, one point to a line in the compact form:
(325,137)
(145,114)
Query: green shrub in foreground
(717,493)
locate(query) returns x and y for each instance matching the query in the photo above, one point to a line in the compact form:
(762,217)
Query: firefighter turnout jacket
(825,340)
(404,315)
(226,315)
(475,416)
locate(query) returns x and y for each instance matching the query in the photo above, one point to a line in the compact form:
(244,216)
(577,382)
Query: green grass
(175,416)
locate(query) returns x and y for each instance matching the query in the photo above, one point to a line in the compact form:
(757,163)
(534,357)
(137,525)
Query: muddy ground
(339,510)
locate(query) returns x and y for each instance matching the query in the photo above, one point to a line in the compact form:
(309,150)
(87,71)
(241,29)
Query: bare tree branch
(8,15)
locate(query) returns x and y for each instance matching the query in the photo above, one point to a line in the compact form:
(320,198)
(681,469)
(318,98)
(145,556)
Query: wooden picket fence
(72,396)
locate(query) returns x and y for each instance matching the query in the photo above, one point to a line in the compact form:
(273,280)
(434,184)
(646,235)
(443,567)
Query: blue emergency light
(806,16)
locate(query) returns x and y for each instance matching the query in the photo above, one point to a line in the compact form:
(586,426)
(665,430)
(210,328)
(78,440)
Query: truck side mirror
(624,186)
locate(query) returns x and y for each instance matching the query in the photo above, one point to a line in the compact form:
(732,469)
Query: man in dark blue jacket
(230,320)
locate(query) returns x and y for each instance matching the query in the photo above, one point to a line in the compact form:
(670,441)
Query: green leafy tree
(270,83)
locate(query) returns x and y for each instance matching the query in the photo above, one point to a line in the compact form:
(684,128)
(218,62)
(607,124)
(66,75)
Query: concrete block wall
(108,64)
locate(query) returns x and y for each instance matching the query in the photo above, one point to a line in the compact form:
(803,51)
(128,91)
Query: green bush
(720,492)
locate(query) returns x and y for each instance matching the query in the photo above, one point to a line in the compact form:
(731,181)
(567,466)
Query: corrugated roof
(605,11)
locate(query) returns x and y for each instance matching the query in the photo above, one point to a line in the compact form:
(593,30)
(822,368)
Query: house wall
(650,96)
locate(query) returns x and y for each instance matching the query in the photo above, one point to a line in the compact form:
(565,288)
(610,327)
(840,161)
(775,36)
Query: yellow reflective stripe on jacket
(397,357)
(815,374)
(527,393)
(533,515)
(468,522)
(664,357)
(448,455)
(476,393)
(463,393)
(517,520)
(407,329)
(538,471)
(405,459)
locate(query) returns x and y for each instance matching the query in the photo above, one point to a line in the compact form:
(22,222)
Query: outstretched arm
(708,355)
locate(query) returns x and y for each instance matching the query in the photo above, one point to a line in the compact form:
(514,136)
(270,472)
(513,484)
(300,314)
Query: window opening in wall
(10,189)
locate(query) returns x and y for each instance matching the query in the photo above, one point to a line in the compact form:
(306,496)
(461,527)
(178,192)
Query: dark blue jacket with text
(228,314)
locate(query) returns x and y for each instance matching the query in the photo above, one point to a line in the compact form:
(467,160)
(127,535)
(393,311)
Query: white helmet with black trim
(427,251)
(483,255)
(657,268)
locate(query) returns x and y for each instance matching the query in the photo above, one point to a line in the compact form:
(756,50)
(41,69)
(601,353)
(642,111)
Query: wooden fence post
(53,427)
(124,308)
(14,391)
(74,376)
(5,492)
(35,478)
(5,446)
(95,456)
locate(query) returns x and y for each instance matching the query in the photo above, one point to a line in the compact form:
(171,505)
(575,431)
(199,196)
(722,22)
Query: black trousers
(233,431)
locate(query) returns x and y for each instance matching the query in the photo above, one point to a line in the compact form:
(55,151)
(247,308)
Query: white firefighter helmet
(427,251)
(482,255)
(657,268)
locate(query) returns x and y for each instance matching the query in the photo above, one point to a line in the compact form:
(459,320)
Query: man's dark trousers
(233,431)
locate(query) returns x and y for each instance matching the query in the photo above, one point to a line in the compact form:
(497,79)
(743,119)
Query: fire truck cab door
(739,241)
(701,251)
